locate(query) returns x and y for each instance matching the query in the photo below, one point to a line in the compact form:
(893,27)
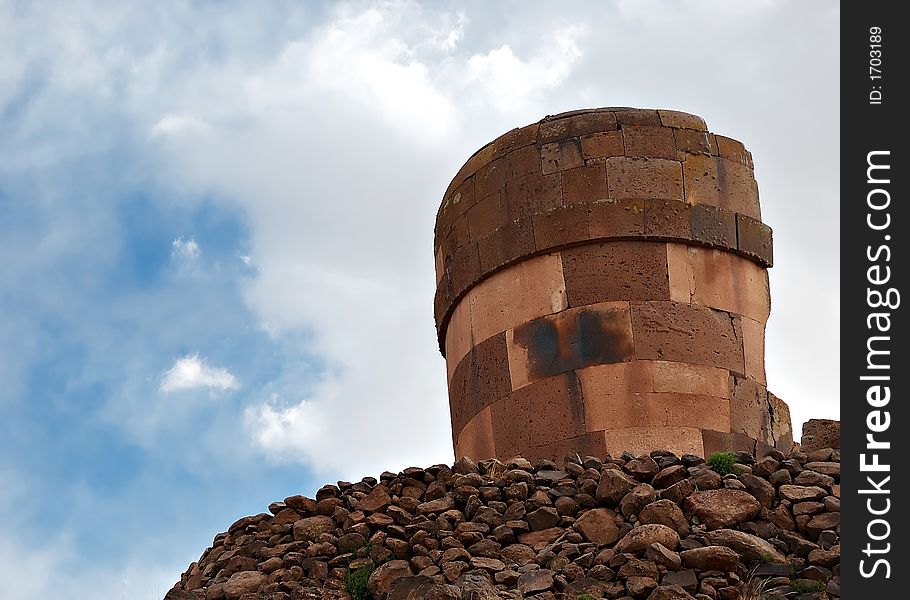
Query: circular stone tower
(602,287)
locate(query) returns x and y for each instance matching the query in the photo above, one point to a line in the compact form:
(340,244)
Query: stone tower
(602,287)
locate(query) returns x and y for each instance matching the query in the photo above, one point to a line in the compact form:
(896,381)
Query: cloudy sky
(216,230)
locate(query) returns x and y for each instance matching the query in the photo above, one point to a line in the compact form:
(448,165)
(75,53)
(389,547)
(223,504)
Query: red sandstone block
(687,333)
(695,142)
(584,184)
(455,205)
(780,428)
(589,444)
(716,441)
(527,290)
(544,411)
(637,116)
(458,340)
(599,146)
(522,162)
(652,409)
(718,279)
(755,238)
(675,118)
(649,142)
(476,439)
(754,349)
(441,301)
(561,226)
(458,236)
(571,339)
(748,408)
(440,264)
(641,440)
(575,125)
(533,193)
(667,219)
(477,160)
(713,226)
(722,183)
(606,271)
(734,150)
(654,178)
(515,139)
(616,218)
(464,268)
(685,378)
(479,380)
(559,156)
(486,216)
(491,178)
(508,243)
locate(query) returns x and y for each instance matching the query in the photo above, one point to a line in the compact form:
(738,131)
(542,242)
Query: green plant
(723,462)
(584,597)
(355,582)
(764,559)
(803,586)
(792,571)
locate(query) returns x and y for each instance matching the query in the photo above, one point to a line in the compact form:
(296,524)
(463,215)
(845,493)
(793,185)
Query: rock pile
(655,527)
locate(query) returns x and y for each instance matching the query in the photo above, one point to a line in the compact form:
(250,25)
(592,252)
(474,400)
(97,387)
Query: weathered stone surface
(598,526)
(381,580)
(310,528)
(613,485)
(722,508)
(750,547)
(665,512)
(638,540)
(242,583)
(377,500)
(820,433)
(710,558)
(670,592)
(539,580)
(798,493)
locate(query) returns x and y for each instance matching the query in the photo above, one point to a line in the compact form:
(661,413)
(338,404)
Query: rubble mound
(655,527)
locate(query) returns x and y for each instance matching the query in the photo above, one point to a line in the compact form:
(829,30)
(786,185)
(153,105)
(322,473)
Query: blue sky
(216,236)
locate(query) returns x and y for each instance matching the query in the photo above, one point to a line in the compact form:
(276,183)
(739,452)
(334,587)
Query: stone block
(641,440)
(479,380)
(637,116)
(532,194)
(602,145)
(476,438)
(675,118)
(720,182)
(510,242)
(584,184)
(561,226)
(649,142)
(572,126)
(654,178)
(559,156)
(616,218)
(605,271)
(486,216)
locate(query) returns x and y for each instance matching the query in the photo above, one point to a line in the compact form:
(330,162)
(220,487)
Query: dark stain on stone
(585,337)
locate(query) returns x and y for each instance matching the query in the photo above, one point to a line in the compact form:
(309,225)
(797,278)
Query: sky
(216,238)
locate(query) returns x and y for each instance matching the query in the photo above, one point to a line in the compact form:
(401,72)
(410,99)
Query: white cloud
(191,372)
(185,252)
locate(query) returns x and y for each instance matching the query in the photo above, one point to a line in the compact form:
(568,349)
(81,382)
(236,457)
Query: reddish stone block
(575,125)
(607,271)
(722,183)
(561,226)
(713,226)
(616,218)
(588,444)
(479,380)
(754,349)
(458,339)
(439,263)
(649,142)
(637,116)
(720,280)
(547,410)
(486,216)
(748,407)
(667,219)
(695,142)
(685,378)
(584,184)
(527,290)
(507,244)
(559,156)
(716,441)
(517,138)
(755,239)
(523,161)
(533,193)
(491,178)
(480,158)
(675,118)
(734,150)
(464,268)
(455,205)
(572,339)
(654,410)
(641,440)
(654,178)
(476,439)
(687,333)
(599,146)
